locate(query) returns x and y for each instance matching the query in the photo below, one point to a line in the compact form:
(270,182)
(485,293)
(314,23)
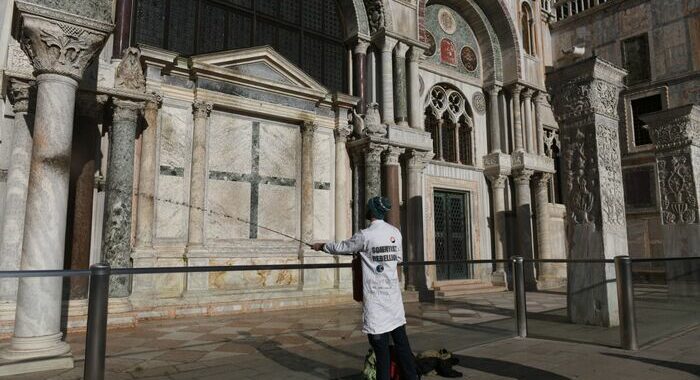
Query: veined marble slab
(254,279)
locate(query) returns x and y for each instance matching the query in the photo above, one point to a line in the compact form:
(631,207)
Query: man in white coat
(379,247)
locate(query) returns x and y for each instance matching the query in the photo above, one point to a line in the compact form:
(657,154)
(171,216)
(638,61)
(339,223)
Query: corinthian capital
(391,157)
(373,153)
(308,128)
(58,47)
(201,109)
(418,160)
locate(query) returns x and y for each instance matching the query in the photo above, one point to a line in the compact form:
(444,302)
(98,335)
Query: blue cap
(379,206)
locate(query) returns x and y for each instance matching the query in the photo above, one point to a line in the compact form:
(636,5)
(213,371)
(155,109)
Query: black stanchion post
(625,302)
(96,338)
(520,301)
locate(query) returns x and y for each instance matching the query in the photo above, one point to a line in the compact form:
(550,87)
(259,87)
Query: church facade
(223,132)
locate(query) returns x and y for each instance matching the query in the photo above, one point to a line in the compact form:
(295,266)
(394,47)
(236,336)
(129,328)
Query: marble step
(468,290)
(457,284)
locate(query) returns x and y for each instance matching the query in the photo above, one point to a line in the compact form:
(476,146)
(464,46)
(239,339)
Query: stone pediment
(259,66)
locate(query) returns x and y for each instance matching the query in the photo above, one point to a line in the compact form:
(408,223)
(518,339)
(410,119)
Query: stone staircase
(465,287)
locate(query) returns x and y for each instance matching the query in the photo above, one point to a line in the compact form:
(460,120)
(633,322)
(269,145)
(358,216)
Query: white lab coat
(379,247)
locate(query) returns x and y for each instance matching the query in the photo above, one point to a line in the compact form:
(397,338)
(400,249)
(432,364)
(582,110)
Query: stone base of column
(33,354)
(11,368)
(498,278)
(547,283)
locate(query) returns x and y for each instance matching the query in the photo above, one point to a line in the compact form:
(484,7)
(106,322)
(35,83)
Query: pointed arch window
(527,27)
(449,121)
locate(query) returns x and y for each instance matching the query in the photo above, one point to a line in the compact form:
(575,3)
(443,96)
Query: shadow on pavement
(506,369)
(692,369)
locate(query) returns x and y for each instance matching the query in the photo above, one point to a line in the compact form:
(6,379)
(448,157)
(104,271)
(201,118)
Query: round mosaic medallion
(479,103)
(469,59)
(430,51)
(447,21)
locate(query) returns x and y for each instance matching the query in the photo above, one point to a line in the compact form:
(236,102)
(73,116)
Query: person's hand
(318,246)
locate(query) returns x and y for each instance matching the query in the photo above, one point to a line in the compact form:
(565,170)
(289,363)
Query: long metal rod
(520,301)
(625,302)
(274,231)
(96,337)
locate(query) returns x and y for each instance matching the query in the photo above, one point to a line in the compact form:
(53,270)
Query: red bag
(394,370)
(357,278)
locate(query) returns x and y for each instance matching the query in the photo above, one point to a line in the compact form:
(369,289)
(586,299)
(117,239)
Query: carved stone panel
(679,203)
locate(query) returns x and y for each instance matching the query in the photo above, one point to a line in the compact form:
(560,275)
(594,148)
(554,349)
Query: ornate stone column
(540,99)
(22,95)
(360,74)
(416,161)
(391,185)
(116,233)
(415,108)
(676,135)
(585,104)
(440,131)
(308,129)
(198,175)
(357,168)
(498,186)
(494,119)
(59,52)
(523,213)
(116,239)
(527,107)
(373,176)
(517,119)
(387,47)
(400,95)
(147,175)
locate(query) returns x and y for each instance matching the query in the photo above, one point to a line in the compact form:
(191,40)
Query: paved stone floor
(326,343)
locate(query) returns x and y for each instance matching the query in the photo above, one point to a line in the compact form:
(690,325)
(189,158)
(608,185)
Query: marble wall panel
(670,49)
(174,155)
(252,280)
(324,157)
(280,147)
(323,215)
(230,142)
(278,209)
(324,168)
(227,201)
(171,284)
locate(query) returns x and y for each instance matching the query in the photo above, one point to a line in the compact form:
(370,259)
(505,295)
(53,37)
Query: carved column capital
(201,109)
(21,94)
(373,153)
(308,128)
(498,181)
(418,160)
(155,101)
(542,180)
(493,90)
(540,98)
(56,47)
(522,177)
(415,54)
(361,47)
(387,44)
(401,50)
(126,110)
(391,156)
(527,93)
(516,89)
(342,134)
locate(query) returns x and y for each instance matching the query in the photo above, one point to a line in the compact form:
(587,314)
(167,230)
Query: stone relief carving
(675,133)
(375,14)
(201,108)
(20,93)
(129,74)
(371,124)
(679,204)
(57,47)
(498,181)
(613,204)
(17,60)
(580,178)
(479,102)
(581,97)
(418,160)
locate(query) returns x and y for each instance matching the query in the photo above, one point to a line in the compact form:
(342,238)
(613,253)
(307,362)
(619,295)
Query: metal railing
(98,298)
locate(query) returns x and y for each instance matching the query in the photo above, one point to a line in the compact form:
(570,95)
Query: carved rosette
(201,109)
(58,47)
(479,102)
(129,73)
(391,157)
(21,94)
(679,203)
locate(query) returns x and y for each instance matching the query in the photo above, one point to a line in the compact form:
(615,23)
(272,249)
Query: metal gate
(452,234)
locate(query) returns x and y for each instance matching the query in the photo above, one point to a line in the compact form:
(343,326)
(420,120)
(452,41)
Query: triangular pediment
(261,65)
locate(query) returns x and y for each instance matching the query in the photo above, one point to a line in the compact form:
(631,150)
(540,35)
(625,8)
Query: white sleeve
(355,244)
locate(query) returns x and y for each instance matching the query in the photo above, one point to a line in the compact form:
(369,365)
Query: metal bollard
(625,302)
(520,301)
(96,338)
